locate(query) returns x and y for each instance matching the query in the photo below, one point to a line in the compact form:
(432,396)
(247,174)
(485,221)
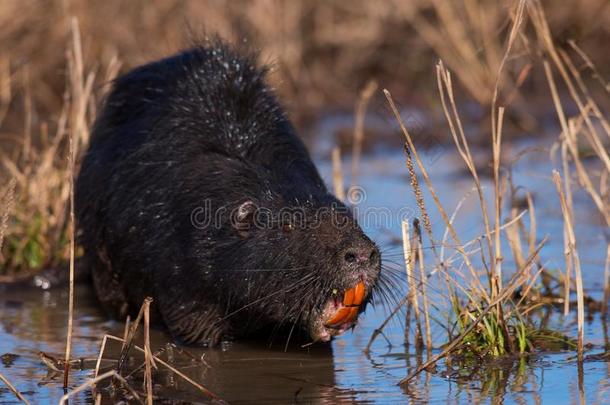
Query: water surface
(32,321)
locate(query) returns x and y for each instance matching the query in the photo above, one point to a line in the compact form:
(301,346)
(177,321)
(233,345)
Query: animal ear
(243,217)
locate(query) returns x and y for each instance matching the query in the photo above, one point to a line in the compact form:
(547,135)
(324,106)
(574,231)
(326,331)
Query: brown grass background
(58,57)
(323,51)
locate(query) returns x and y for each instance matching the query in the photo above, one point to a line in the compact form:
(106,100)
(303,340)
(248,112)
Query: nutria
(196,191)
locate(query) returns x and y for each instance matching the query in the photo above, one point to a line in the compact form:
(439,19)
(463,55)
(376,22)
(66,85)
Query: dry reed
(471,45)
(14,390)
(365,96)
(148,356)
(131,334)
(87,384)
(72,227)
(338,186)
(413,151)
(195,384)
(505,309)
(584,102)
(606,298)
(7,204)
(424,294)
(150,359)
(572,255)
(93,381)
(413,290)
(306,41)
(517,280)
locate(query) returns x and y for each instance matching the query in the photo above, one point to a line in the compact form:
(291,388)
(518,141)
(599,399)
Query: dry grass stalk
(496,151)
(71,158)
(338,174)
(566,248)
(524,295)
(7,204)
(544,34)
(126,330)
(424,295)
(128,387)
(590,105)
(127,343)
(40,228)
(419,198)
(363,101)
(446,94)
(150,359)
(445,87)
(361,36)
(496,139)
(514,31)
(103,348)
(172,369)
(573,255)
(99,356)
(516,232)
(517,280)
(570,139)
(452,285)
(81,88)
(457,36)
(585,103)
(92,382)
(148,356)
(143,364)
(533,224)
(87,384)
(14,390)
(5,88)
(604,309)
(426,177)
(595,73)
(478,240)
(413,292)
(514,241)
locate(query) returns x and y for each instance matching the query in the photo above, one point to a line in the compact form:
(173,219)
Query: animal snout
(361,262)
(361,255)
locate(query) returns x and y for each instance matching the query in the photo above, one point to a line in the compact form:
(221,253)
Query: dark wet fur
(203,126)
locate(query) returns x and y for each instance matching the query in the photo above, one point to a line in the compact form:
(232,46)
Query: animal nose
(362,255)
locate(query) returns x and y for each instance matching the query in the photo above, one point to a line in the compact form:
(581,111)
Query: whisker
(307,289)
(269,270)
(287,289)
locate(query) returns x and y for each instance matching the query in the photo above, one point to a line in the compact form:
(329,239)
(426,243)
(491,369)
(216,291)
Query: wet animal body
(196,191)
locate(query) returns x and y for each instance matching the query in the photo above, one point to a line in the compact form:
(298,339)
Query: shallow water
(252,372)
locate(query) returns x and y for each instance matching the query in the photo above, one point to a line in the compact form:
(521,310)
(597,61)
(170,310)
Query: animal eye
(287,227)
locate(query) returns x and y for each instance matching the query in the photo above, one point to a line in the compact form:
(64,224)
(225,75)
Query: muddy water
(256,372)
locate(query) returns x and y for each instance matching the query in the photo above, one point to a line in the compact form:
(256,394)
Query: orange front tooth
(353,314)
(339,317)
(348,297)
(358,293)
(352,299)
